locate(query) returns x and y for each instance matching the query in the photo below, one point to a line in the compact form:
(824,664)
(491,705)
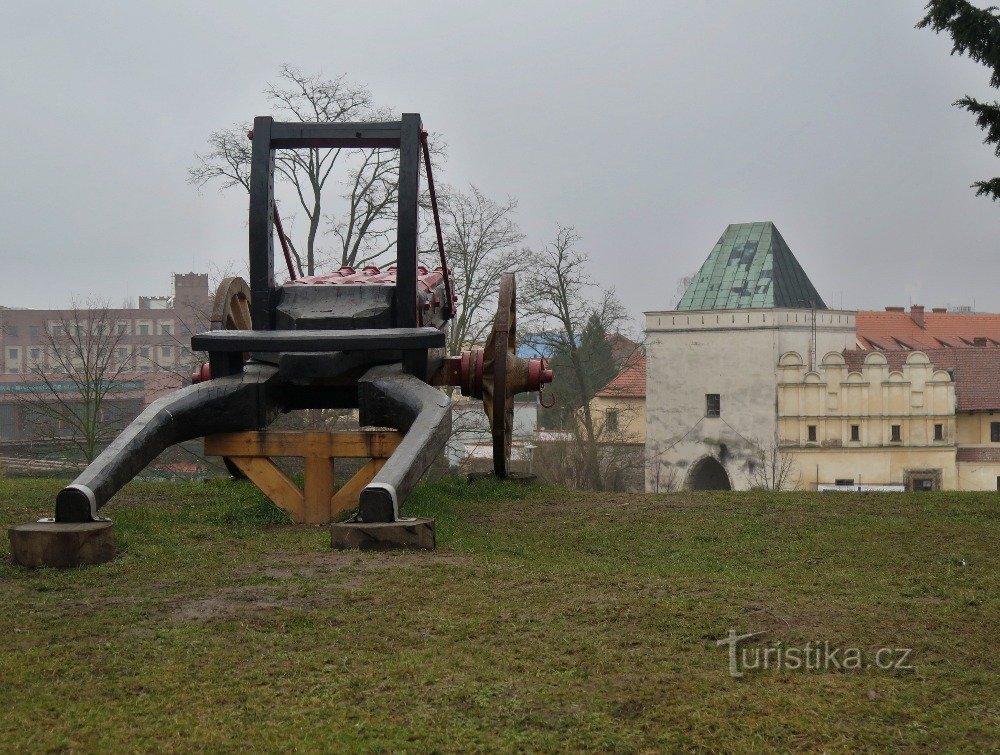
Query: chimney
(980,341)
(917,314)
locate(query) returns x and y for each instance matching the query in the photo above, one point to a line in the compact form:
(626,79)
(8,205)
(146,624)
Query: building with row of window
(141,351)
(753,381)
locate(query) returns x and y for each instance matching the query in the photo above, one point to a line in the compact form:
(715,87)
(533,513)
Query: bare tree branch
(482,241)
(70,401)
(560,299)
(773,468)
(361,214)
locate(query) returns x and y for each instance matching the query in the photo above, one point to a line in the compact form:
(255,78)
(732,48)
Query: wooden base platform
(406,533)
(316,502)
(62,545)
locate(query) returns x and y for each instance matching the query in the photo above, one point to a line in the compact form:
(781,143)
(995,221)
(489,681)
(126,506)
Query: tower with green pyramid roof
(751,267)
(714,369)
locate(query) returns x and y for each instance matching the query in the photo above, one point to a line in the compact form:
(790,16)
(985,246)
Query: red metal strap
(284,241)
(449,308)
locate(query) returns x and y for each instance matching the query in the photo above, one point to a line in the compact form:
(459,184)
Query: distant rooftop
(751,266)
(923,329)
(630,382)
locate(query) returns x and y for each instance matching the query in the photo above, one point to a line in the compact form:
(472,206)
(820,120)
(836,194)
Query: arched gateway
(708,474)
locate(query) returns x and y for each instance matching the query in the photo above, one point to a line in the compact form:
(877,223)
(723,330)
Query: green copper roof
(751,266)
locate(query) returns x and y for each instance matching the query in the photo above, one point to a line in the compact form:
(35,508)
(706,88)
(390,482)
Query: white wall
(470,427)
(733,353)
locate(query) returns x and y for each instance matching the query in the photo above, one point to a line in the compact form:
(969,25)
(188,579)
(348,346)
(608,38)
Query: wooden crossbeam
(316,502)
(358,444)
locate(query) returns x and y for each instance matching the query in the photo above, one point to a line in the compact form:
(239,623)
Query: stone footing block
(407,533)
(62,544)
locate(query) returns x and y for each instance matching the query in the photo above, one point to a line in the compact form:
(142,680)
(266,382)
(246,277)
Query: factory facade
(142,351)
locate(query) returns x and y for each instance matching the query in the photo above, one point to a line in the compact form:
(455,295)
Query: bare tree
(182,362)
(71,401)
(773,468)
(482,241)
(619,449)
(682,285)
(560,299)
(664,481)
(565,459)
(361,214)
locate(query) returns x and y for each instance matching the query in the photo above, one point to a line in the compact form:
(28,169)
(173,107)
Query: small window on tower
(713,405)
(896,436)
(994,432)
(855,432)
(938,432)
(812,433)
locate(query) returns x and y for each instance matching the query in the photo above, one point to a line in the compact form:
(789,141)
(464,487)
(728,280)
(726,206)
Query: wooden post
(316,503)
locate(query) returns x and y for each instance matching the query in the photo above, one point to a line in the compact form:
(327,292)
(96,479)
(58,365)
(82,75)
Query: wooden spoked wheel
(231,311)
(498,357)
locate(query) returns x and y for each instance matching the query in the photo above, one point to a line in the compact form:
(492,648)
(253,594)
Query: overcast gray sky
(649,126)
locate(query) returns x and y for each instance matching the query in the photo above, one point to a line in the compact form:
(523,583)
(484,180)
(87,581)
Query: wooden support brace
(316,503)
(273,483)
(347,497)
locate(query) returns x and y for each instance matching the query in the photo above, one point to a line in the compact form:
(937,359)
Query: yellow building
(619,408)
(618,412)
(924,419)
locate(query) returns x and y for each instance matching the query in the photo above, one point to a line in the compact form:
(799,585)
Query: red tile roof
(948,339)
(622,347)
(976,372)
(630,382)
(899,329)
(977,454)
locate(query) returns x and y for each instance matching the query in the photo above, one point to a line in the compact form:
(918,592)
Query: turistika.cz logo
(813,656)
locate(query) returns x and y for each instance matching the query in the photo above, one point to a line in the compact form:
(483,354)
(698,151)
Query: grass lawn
(546,619)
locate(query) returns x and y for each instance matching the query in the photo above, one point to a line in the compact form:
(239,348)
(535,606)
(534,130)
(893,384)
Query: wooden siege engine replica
(367,339)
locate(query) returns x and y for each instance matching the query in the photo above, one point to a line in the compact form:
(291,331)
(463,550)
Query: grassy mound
(547,619)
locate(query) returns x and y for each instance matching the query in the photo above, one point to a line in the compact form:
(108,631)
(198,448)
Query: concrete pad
(62,544)
(406,533)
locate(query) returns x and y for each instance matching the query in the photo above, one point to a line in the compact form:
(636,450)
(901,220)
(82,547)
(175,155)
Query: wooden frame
(269,135)
(316,502)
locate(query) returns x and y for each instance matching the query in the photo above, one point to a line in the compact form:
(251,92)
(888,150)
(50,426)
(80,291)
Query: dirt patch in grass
(287,564)
(234,602)
(323,575)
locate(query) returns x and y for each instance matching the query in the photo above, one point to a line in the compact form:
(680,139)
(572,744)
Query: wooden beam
(274,483)
(371,444)
(317,503)
(318,489)
(347,497)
